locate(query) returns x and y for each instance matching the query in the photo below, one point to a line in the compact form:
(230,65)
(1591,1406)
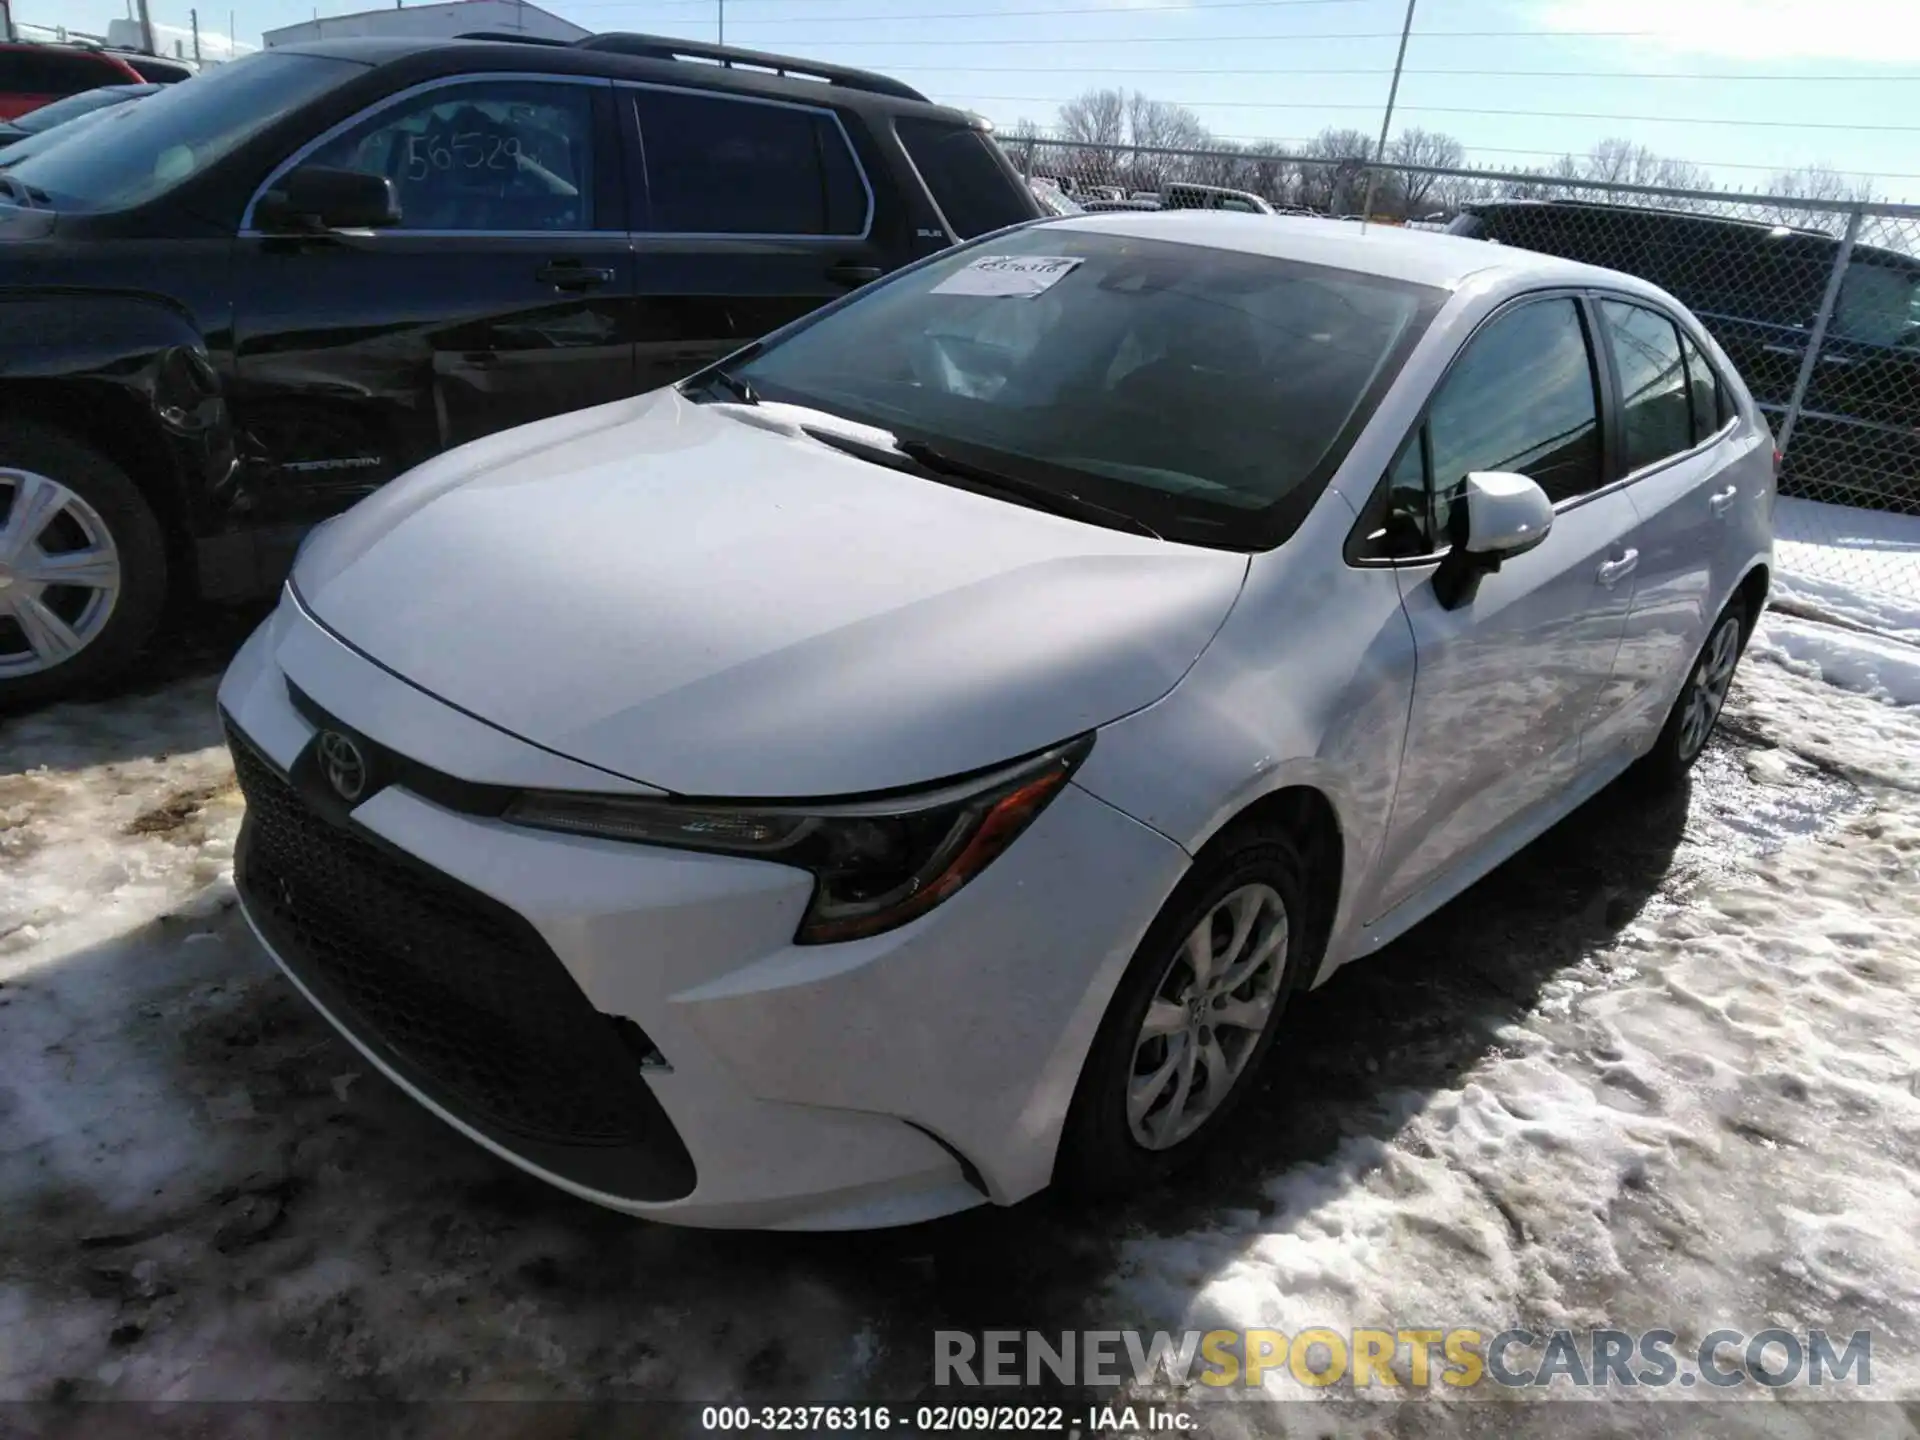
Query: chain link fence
(1817,302)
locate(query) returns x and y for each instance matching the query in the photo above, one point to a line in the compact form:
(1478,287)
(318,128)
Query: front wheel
(83,566)
(1192,1017)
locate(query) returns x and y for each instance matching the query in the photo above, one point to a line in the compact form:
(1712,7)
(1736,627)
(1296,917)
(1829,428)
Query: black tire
(1099,1153)
(136,536)
(1679,747)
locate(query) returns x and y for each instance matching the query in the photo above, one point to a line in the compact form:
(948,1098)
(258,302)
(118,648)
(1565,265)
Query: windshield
(13,154)
(134,153)
(1190,388)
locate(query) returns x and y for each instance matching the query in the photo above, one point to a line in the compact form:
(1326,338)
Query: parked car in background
(1227,597)
(236,306)
(1758,288)
(1053,199)
(155,68)
(1212,197)
(35,75)
(59,112)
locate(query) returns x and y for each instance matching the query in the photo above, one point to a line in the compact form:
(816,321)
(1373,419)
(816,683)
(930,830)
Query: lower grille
(457,992)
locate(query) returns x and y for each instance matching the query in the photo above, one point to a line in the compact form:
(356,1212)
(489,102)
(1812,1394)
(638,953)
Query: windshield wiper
(21,193)
(733,385)
(1039,496)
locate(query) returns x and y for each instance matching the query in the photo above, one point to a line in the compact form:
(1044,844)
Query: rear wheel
(1691,722)
(1192,1017)
(83,566)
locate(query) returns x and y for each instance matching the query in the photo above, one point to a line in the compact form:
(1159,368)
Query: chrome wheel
(59,574)
(1207,1015)
(1707,687)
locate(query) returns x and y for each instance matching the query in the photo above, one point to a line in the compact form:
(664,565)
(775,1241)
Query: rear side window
(1653,382)
(715,165)
(43,70)
(972,185)
(1711,407)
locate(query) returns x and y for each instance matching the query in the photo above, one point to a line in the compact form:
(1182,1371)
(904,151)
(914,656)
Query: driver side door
(1506,680)
(500,298)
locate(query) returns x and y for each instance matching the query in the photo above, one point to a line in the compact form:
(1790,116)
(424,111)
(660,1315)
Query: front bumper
(877,1082)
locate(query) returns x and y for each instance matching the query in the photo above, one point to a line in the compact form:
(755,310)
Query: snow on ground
(1711,1116)
(1857,567)
(1663,1068)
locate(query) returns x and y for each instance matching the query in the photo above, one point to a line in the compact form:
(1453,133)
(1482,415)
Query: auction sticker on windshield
(1021,276)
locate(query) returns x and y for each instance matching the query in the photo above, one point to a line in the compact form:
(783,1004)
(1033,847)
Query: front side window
(139,152)
(975,189)
(1653,382)
(1196,388)
(489,155)
(1521,398)
(720,166)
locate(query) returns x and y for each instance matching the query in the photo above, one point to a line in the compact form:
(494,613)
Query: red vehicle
(32,75)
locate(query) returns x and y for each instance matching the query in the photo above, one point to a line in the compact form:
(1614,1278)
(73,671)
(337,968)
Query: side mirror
(1498,516)
(319,198)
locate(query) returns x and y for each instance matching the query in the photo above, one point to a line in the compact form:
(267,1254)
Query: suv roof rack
(662,47)
(512,38)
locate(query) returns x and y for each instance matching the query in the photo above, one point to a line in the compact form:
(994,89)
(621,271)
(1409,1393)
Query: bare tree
(1423,147)
(1127,117)
(1338,184)
(1827,192)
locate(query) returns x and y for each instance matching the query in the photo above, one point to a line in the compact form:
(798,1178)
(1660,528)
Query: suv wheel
(83,565)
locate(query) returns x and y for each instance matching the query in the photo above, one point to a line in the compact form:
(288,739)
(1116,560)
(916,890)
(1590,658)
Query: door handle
(1612,572)
(847,273)
(1722,502)
(572,275)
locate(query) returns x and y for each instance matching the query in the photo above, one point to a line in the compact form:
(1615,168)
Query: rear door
(747,213)
(500,297)
(1504,683)
(1695,483)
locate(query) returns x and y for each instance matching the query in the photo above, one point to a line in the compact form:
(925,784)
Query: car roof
(1421,257)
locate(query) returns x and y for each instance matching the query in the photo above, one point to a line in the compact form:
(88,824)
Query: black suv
(250,299)
(1759,288)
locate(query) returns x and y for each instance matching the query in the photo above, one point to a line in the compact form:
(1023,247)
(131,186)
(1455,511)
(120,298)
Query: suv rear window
(716,165)
(974,188)
(42,70)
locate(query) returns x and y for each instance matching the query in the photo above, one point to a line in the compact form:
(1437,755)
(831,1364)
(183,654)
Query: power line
(1473,110)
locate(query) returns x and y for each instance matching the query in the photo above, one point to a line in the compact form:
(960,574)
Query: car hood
(700,598)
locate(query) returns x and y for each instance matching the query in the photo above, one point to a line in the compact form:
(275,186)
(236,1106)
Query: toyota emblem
(343,765)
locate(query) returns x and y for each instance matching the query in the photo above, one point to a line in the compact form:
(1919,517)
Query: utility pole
(146,29)
(1386,120)
(6,20)
(723,20)
(193,19)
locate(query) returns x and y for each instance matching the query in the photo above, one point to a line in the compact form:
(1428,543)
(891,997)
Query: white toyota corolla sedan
(918,758)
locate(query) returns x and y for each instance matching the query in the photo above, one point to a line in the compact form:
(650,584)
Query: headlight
(877,863)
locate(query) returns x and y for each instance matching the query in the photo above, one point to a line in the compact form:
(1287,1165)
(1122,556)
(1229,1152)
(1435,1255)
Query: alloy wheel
(1707,688)
(59,574)
(1207,1015)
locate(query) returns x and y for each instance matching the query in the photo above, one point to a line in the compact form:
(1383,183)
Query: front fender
(130,375)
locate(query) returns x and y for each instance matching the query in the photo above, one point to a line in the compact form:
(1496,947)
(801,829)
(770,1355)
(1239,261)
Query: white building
(459,17)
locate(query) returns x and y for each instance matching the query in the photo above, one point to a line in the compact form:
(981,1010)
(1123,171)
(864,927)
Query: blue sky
(1835,81)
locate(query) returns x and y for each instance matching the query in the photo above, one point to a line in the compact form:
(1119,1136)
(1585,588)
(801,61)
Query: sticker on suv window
(1021,276)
